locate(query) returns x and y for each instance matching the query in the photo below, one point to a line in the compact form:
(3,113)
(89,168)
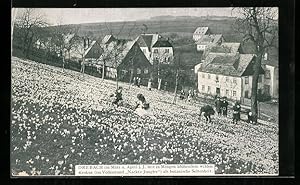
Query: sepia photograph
(144,92)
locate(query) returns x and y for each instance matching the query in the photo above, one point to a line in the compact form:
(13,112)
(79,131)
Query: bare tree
(28,21)
(259,26)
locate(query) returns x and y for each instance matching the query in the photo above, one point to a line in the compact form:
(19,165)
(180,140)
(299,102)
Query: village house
(156,48)
(199,32)
(146,41)
(122,56)
(209,41)
(162,51)
(228,74)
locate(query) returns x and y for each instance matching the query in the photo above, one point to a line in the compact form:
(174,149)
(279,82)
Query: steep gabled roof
(107,39)
(201,30)
(118,48)
(226,47)
(210,39)
(227,64)
(162,43)
(147,40)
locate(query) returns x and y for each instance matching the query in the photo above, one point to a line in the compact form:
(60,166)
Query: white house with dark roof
(209,41)
(162,51)
(227,74)
(146,41)
(155,47)
(199,32)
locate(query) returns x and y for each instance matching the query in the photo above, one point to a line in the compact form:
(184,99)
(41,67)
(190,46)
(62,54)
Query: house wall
(136,62)
(247,86)
(161,54)
(272,82)
(229,86)
(201,47)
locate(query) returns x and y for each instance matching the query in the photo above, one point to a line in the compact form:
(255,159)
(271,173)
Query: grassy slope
(63,119)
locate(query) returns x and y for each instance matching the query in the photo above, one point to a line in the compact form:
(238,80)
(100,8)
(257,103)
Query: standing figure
(138,81)
(181,96)
(236,112)
(149,84)
(218,106)
(224,106)
(134,80)
(117,96)
(250,117)
(165,86)
(190,95)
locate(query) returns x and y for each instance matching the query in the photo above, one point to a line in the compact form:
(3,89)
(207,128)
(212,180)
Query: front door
(218,91)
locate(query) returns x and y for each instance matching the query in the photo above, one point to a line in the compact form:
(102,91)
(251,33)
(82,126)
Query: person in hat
(236,112)
(117,96)
(250,117)
(218,106)
(182,94)
(149,84)
(224,106)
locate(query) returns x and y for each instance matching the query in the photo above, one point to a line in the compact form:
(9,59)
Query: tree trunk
(257,67)
(176,85)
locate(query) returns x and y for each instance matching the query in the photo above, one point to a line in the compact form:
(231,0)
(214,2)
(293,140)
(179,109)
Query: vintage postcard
(144,92)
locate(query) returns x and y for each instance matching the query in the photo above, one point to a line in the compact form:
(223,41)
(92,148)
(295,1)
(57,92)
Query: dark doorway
(218,91)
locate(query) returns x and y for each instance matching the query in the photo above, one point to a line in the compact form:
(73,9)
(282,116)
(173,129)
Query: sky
(91,15)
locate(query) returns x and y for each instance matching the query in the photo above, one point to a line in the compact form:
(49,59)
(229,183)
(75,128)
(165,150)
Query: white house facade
(227,75)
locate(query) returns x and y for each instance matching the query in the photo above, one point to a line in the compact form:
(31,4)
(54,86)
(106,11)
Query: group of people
(190,95)
(221,105)
(142,107)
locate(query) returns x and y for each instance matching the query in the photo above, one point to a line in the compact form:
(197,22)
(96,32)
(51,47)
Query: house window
(246,80)
(267,74)
(208,89)
(146,71)
(227,92)
(203,75)
(166,50)
(203,88)
(246,94)
(267,89)
(227,79)
(259,79)
(217,78)
(208,76)
(155,50)
(234,93)
(138,71)
(234,80)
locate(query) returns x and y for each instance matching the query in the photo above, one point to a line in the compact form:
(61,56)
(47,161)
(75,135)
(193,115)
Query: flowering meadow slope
(61,119)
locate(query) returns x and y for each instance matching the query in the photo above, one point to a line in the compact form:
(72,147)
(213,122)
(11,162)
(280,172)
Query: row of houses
(126,58)
(225,70)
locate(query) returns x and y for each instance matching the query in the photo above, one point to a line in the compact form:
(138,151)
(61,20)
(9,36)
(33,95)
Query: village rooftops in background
(228,64)
(227,47)
(199,32)
(209,40)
